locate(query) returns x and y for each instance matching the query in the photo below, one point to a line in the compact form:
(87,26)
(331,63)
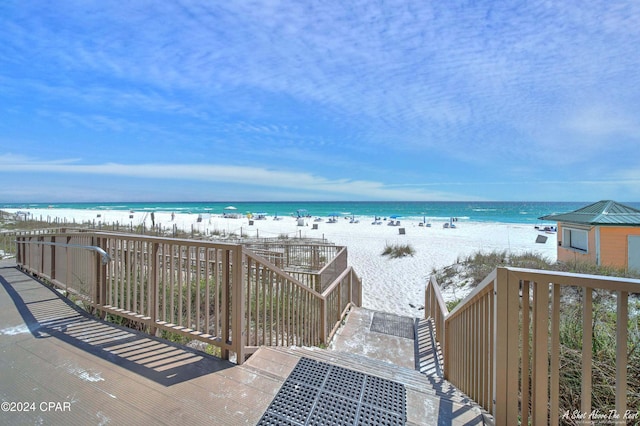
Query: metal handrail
(106,258)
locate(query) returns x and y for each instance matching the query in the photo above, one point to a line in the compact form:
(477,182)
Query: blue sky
(332,100)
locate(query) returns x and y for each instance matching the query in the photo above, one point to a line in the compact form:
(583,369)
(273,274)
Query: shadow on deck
(99,373)
(49,315)
(53,351)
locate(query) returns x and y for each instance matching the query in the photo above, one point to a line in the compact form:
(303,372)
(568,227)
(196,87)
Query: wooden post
(238,304)
(554,384)
(505,359)
(18,251)
(103,278)
(96,274)
(540,364)
(53,258)
(621,351)
(41,265)
(153,296)
(587,349)
(526,396)
(323,320)
(226,307)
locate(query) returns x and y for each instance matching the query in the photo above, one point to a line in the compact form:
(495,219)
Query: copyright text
(27,406)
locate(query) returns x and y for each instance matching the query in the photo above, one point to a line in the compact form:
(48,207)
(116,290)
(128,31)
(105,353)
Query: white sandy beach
(390,285)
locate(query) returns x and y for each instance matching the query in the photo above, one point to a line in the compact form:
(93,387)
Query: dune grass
(398,250)
(476,267)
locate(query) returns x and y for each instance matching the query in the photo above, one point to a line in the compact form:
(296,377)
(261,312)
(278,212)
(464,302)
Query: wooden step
(427,401)
(410,378)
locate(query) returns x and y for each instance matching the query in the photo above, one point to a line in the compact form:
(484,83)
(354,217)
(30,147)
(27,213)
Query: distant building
(605,233)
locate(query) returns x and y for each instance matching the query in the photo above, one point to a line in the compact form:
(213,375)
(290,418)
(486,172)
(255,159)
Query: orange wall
(567,255)
(613,246)
(614,242)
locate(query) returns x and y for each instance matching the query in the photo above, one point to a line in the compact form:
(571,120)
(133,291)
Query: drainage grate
(334,410)
(347,383)
(383,393)
(294,401)
(316,393)
(393,324)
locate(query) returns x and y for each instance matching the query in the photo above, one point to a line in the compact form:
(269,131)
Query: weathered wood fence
(222,294)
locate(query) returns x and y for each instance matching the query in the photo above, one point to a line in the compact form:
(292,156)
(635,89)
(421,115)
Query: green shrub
(603,361)
(451,304)
(478,265)
(398,250)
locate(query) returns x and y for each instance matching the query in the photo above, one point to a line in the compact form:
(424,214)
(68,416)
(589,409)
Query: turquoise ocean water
(504,212)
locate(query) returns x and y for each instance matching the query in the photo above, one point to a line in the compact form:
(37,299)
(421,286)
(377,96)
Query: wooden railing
(274,296)
(435,308)
(7,243)
(332,269)
(222,294)
(8,238)
(281,311)
(314,265)
(501,344)
(344,292)
(71,262)
(310,257)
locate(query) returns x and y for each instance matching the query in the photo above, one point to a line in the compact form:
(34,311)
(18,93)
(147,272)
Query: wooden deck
(51,351)
(59,365)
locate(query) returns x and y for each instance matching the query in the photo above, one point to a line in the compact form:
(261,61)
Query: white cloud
(601,121)
(236,175)
(8,160)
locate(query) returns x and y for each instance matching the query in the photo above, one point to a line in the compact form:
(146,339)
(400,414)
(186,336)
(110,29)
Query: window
(577,239)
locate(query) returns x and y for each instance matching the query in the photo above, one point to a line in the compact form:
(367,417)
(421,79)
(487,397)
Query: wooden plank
(540,362)
(587,349)
(621,351)
(554,387)
(525,378)
(500,353)
(512,346)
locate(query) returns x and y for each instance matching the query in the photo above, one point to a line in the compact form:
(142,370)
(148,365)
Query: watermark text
(32,406)
(601,416)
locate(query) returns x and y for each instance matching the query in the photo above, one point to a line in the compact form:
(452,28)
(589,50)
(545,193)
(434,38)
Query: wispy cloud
(602,121)
(480,92)
(224,174)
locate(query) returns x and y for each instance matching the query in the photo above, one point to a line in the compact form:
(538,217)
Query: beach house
(605,233)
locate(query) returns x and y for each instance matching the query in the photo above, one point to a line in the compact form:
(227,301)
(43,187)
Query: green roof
(604,212)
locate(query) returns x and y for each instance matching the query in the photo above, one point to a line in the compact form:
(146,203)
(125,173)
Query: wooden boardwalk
(58,365)
(51,351)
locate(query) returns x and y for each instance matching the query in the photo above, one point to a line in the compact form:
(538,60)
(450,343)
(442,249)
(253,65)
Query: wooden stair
(430,400)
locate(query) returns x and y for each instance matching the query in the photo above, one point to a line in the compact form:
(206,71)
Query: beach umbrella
(334,214)
(230,208)
(395,216)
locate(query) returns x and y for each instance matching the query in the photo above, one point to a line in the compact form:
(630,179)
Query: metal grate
(334,410)
(316,393)
(393,324)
